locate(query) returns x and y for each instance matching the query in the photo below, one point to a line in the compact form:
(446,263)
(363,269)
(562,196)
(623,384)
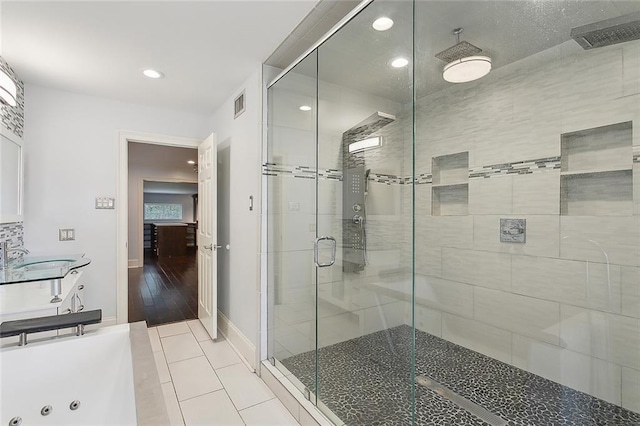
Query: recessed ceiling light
(383,23)
(151,73)
(305,108)
(191,162)
(399,62)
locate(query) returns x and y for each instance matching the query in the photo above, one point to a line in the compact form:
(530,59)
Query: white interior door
(207,236)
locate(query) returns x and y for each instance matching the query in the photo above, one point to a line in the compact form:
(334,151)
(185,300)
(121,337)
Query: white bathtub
(96,369)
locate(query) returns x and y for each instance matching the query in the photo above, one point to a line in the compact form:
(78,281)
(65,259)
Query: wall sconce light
(8,90)
(365,144)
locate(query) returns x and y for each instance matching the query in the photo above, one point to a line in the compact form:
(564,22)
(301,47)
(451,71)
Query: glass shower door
(364,201)
(291,223)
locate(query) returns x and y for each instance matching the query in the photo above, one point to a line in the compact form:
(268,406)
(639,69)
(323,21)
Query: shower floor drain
(472,407)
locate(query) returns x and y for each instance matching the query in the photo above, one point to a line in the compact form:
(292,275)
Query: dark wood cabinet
(168,240)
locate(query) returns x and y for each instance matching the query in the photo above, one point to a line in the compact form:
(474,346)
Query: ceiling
(206,49)
(358,57)
(160,158)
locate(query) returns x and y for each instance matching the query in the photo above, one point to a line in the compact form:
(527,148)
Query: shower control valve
(357,219)
(357,207)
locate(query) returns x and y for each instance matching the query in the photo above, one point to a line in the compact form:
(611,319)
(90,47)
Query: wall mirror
(11,178)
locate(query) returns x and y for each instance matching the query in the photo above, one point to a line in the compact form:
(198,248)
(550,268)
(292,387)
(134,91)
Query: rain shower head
(463,62)
(608,32)
(369,125)
(462,49)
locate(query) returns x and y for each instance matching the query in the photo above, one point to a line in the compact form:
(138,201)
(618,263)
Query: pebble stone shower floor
(367,381)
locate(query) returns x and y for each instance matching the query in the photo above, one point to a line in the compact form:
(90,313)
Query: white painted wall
(71,144)
(239,286)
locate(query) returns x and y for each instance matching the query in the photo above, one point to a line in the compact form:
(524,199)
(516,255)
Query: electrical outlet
(68,234)
(106,203)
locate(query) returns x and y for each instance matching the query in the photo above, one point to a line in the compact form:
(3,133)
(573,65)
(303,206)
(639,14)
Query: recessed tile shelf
(445,185)
(450,187)
(596,171)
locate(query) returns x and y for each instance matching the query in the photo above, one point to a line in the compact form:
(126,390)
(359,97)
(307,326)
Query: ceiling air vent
(608,32)
(238,105)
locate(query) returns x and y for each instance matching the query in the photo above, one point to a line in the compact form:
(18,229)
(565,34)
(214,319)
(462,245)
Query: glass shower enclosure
(453,215)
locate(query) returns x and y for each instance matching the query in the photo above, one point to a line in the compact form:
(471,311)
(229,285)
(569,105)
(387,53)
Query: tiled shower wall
(13,120)
(565,304)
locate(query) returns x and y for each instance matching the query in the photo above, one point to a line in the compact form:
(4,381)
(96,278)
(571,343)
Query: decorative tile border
(518,167)
(13,117)
(496,170)
(14,234)
(302,172)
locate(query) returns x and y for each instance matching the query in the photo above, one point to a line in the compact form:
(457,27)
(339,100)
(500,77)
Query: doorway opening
(163,223)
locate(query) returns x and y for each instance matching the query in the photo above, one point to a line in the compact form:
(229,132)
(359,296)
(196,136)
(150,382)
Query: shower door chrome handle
(315,251)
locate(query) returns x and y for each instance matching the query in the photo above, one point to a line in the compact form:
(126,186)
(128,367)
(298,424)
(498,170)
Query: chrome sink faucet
(5,250)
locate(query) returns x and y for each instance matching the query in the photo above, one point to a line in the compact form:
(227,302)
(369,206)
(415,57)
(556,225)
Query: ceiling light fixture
(305,108)
(463,62)
(382,24)
(467,69)
(191,162)
(8,90)
(399,62)
(151,73)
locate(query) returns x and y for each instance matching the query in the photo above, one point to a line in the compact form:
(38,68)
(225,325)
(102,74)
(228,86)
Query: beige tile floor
(205,382)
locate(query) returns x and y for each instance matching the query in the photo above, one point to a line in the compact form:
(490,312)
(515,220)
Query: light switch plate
(105,203)
(67,234)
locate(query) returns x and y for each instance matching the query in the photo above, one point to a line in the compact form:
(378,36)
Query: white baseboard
(238,340)
(134,263)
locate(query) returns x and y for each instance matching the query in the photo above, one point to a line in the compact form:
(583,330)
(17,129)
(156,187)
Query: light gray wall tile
(542,235)
(536,318)
(487,340)
(601,239)
(449,231)
(490,196)
(631,291)
(631,68)
(631,389)
(612,337)
(578,371)
(587,284)
(537,193)
(483,268)
(426,319)
(444,295)
(636,189)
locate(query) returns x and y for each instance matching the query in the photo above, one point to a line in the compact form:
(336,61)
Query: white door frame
(122,208)
(141,210)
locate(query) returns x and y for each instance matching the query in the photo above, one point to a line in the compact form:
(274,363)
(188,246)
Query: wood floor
(164,291)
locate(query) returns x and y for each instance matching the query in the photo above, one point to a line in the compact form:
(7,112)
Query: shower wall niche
(450,184)
(596,176)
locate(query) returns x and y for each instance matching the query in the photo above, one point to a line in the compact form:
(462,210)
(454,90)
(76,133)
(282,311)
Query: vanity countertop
(41,268)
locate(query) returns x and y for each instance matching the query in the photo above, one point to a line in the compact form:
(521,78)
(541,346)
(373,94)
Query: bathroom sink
(45,264)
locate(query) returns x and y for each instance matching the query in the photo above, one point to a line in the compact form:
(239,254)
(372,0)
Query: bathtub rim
(149,401)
